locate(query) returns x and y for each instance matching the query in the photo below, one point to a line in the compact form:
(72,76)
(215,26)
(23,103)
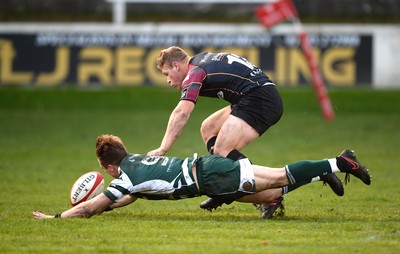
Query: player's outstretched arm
(177,122)
(85,209)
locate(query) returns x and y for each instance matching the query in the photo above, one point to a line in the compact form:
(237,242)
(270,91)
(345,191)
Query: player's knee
(203,129)
(206,130)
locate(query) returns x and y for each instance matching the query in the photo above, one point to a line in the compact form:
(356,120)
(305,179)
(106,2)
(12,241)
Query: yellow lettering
(154,74)
(60,70)
(129,67)
(338,66)
(280,66)
(299,66)
(98,63)
(7,75)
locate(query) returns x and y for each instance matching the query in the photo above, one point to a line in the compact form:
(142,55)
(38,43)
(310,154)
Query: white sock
(334,167)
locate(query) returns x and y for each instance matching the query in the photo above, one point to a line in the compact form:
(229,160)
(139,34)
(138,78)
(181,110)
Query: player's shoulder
(202,58)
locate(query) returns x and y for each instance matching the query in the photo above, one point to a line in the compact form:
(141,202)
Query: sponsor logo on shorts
(247,186)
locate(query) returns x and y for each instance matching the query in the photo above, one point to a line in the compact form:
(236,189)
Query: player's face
(111,170)
(174,75)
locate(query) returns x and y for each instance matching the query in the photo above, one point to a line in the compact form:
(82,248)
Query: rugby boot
(334,182)
(210,204)
(268,209)
(348,163)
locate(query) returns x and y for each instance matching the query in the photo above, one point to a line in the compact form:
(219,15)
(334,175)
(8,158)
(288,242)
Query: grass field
(47,140)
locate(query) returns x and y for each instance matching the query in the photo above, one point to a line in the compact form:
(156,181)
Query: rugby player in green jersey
(159,177)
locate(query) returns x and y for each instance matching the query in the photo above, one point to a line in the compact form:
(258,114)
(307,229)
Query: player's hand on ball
(40,215)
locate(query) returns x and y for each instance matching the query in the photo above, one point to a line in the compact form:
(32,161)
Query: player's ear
(110,167)
(175,65)
(112,170)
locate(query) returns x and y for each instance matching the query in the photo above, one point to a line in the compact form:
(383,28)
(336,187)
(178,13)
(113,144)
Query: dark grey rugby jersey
(153,177)
(223,75)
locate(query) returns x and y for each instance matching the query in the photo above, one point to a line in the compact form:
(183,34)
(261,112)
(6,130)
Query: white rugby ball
(86,187)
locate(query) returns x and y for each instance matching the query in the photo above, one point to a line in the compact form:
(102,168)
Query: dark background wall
(312,11)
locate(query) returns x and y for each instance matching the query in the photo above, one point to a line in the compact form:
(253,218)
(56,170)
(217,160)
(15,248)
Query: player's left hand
(40,215)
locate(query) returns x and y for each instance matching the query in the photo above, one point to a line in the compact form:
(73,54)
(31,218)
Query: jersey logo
(184,93)
(220,94)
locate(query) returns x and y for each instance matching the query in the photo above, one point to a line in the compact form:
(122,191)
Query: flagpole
(318,82)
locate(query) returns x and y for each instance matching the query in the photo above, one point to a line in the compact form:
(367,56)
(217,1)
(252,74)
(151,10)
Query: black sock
(235,155)
(210,144)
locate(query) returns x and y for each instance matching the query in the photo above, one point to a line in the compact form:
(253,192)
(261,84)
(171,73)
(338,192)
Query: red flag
(273,13)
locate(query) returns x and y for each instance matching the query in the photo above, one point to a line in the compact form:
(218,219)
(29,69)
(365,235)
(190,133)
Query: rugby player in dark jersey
(255,106)
(171,178)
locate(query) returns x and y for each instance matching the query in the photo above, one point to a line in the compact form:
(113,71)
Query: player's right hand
(156,152)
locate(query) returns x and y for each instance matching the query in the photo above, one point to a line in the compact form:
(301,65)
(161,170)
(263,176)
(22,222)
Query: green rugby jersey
(153,177)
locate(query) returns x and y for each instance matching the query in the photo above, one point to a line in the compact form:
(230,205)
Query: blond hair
(169,55)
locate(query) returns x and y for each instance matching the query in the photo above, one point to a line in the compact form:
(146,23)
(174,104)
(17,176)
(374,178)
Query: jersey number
(234,58)
(151,160)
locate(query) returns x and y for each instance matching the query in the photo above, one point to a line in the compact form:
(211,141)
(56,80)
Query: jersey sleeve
(116,190)
(192,83)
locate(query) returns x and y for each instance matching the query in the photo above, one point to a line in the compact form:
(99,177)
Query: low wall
(103,54)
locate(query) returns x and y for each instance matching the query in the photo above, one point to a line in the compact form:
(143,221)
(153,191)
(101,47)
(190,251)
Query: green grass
(47,140)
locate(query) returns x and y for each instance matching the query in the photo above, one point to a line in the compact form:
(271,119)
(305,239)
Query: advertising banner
(95,59)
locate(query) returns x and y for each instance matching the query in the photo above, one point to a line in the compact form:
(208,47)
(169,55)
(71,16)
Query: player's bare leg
(234,134)
(263,196)
(212,124)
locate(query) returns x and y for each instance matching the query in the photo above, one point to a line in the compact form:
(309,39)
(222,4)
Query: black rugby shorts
(261,108)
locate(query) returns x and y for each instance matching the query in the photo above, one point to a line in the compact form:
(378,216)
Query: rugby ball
(86,187)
